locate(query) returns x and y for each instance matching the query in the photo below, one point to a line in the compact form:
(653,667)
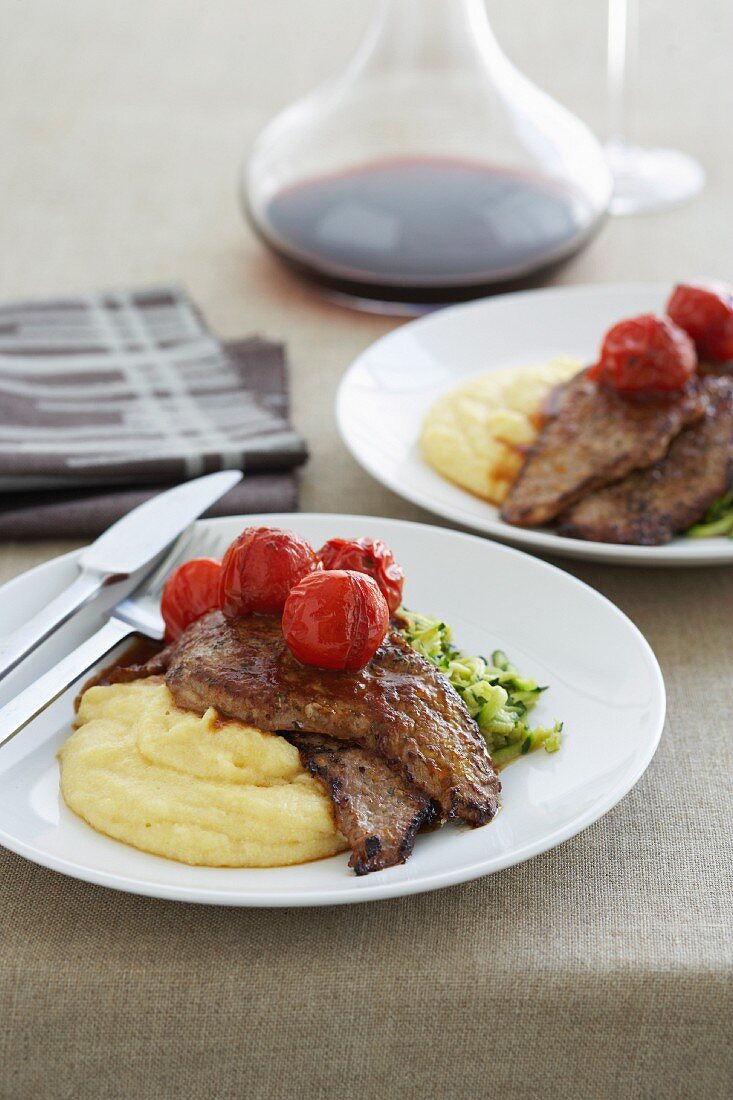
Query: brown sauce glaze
(138,660)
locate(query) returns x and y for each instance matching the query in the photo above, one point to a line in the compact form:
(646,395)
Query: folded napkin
(104,400)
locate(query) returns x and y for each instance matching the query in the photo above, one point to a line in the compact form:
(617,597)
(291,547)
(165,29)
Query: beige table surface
(601,969)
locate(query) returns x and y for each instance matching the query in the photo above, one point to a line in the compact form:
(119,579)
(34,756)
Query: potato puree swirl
(477,434)
(201,790)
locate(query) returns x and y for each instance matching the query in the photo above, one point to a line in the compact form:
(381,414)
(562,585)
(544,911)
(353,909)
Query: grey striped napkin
(108,398)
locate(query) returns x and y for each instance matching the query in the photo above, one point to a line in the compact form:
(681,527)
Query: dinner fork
(138,613)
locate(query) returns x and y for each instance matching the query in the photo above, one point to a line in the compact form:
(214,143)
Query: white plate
(604,682)
(387,391)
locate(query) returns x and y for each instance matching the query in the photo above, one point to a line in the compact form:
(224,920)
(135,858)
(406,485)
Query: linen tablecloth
(599,970)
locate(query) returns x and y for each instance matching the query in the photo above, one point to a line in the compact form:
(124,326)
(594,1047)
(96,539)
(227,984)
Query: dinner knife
(129,544)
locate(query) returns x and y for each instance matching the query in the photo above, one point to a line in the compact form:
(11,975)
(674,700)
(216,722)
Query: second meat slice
(596,436)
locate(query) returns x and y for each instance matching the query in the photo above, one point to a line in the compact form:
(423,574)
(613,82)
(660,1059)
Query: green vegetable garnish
(718,520)
(494,691)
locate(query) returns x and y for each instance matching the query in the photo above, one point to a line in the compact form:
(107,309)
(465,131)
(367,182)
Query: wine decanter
(430,171)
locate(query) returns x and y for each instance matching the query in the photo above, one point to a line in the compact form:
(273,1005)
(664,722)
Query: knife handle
(24,707)
(19,644)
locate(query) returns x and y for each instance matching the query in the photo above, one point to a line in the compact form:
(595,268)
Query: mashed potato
(476,434)
(202,790)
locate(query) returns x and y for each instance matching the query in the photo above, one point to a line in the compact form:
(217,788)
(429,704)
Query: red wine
(425,230)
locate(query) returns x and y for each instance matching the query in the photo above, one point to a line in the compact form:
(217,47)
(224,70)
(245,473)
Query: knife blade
(134,541)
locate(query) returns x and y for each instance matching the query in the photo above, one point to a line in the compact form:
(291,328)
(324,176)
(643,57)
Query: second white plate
(387,391)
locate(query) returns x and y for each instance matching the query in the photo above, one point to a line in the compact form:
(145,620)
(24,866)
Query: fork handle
(21,710)
(18,645)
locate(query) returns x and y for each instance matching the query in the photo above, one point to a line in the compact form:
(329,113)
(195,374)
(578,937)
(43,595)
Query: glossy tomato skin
(336,619)
(191,590)
(705,312)
(260,568)
(368,556)
(645,354)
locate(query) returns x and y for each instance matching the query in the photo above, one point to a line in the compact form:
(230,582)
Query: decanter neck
(428,35)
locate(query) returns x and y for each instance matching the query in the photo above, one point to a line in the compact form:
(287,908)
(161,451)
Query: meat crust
(594,437)
(649,506)
(399,705)
(375,809)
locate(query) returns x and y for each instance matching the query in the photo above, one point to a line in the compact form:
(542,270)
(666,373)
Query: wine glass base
(646,180)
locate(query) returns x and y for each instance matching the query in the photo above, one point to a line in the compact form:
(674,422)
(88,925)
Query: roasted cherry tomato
(260,568)
(191,590)
(705,312)
(645,353)
(336,619)
(368,556)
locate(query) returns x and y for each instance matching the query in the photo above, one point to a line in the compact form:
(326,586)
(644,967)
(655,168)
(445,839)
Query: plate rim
(368,890)
(701,553)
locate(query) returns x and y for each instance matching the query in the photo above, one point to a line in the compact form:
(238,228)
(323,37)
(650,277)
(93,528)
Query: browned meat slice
(399,706)
(595,437)
(649,506)
(375,809)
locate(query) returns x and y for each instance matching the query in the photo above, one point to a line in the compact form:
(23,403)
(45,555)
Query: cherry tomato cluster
(652,354)
(335,603)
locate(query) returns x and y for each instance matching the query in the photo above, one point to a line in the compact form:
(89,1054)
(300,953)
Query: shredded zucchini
(718,520)
(495,692)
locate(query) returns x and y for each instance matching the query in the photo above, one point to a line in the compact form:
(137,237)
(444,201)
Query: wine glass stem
(623,19)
